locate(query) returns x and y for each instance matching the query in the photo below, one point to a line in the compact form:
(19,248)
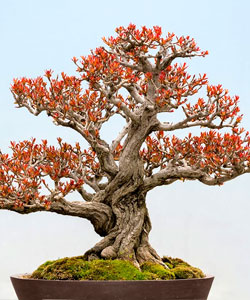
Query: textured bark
(128,239)
(126,194)
(99,214)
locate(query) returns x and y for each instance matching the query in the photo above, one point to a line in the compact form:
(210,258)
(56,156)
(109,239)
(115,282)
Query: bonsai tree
(138,75)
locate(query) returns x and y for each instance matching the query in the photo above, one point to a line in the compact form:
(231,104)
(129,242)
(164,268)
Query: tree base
(138,256)
(129,238)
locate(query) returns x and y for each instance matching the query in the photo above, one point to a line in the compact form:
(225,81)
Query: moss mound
(181,269)
(159,271)
(76,268)
(79,269)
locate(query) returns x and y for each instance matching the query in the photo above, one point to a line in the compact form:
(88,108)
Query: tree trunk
(128,238)
(125,195)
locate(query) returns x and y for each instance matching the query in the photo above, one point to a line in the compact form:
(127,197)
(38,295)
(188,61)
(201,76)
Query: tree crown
(137,77)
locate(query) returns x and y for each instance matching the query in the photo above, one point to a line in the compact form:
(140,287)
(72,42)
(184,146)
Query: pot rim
(17,276)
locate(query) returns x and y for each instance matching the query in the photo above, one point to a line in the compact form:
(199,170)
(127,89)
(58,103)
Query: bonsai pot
(39,289)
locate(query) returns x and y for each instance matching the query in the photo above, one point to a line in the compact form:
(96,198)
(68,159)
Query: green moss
(159,271)
(183,272)
(62,269)
(113,270)
(174,262)
(182,269)
(77,268)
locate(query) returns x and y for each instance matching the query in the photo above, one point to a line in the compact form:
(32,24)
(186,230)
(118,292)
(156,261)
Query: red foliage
(211,152)
(116,68)
(138,62)
(24,175)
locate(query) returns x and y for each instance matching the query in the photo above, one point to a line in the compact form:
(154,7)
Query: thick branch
(99,214)
(170,174)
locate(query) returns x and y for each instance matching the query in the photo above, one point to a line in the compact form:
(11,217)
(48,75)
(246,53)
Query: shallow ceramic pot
(181,289)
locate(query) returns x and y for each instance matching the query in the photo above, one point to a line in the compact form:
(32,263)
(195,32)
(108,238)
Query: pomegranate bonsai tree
(138,75)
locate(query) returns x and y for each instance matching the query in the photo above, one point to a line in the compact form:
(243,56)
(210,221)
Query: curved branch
(99,214)
(171,174)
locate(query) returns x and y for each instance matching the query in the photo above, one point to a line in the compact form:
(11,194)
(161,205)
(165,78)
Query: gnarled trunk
(128,238)
(125,195)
